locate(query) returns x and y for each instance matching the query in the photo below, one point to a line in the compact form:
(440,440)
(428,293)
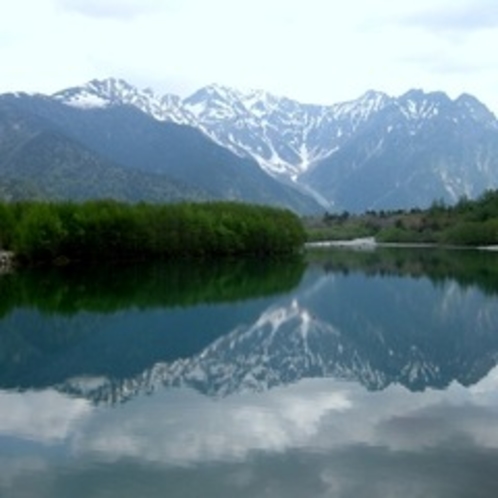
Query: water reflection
(110,288)
(374,379)
(119,321)
(370,324)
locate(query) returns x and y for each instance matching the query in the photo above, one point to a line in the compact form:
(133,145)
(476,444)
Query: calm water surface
(355,374)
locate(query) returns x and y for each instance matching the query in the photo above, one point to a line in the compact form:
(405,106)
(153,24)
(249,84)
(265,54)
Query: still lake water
(355,374)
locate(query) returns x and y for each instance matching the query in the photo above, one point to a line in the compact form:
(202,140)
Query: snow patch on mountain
(87,100)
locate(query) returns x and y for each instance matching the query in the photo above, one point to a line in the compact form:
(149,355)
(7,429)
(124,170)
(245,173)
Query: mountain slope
(128,137)
(66,170)
(40,162)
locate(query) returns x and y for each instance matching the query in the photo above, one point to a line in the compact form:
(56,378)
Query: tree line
(110,230)
(466,223)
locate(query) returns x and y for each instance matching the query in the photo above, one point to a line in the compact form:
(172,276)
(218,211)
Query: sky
(315,51)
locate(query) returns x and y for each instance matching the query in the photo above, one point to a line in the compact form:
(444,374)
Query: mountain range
(108,138)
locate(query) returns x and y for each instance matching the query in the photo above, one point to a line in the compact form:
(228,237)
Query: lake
(347,374)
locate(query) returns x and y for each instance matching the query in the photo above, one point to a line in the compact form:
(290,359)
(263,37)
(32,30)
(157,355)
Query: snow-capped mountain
(108,139)
(115,92)
(374,152)
(418,148)
(283,135)
(370,153)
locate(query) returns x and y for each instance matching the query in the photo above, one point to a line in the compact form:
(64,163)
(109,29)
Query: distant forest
(467,223)
(44,232)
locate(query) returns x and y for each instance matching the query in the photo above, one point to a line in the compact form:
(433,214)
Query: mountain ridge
(298,144)
(375,152)
(136,142)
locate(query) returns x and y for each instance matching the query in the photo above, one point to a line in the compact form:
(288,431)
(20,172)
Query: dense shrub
(468,233)
(39,232)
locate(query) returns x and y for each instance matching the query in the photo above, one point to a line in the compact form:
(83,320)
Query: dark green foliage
(6,226)
(468,233)
(109,230)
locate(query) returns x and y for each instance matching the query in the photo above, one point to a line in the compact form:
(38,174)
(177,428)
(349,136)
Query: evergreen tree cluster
(109,230)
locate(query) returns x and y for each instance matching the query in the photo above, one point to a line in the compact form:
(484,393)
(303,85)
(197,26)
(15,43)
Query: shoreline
(370,244)
(367,243)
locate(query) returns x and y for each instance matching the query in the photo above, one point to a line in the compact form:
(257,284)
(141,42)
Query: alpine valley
(110,139)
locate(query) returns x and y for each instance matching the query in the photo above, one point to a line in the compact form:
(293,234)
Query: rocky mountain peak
(476,110)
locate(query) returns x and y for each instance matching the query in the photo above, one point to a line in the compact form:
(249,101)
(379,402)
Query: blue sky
(319,51)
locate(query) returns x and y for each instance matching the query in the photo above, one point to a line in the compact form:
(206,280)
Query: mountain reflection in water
(362,374)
